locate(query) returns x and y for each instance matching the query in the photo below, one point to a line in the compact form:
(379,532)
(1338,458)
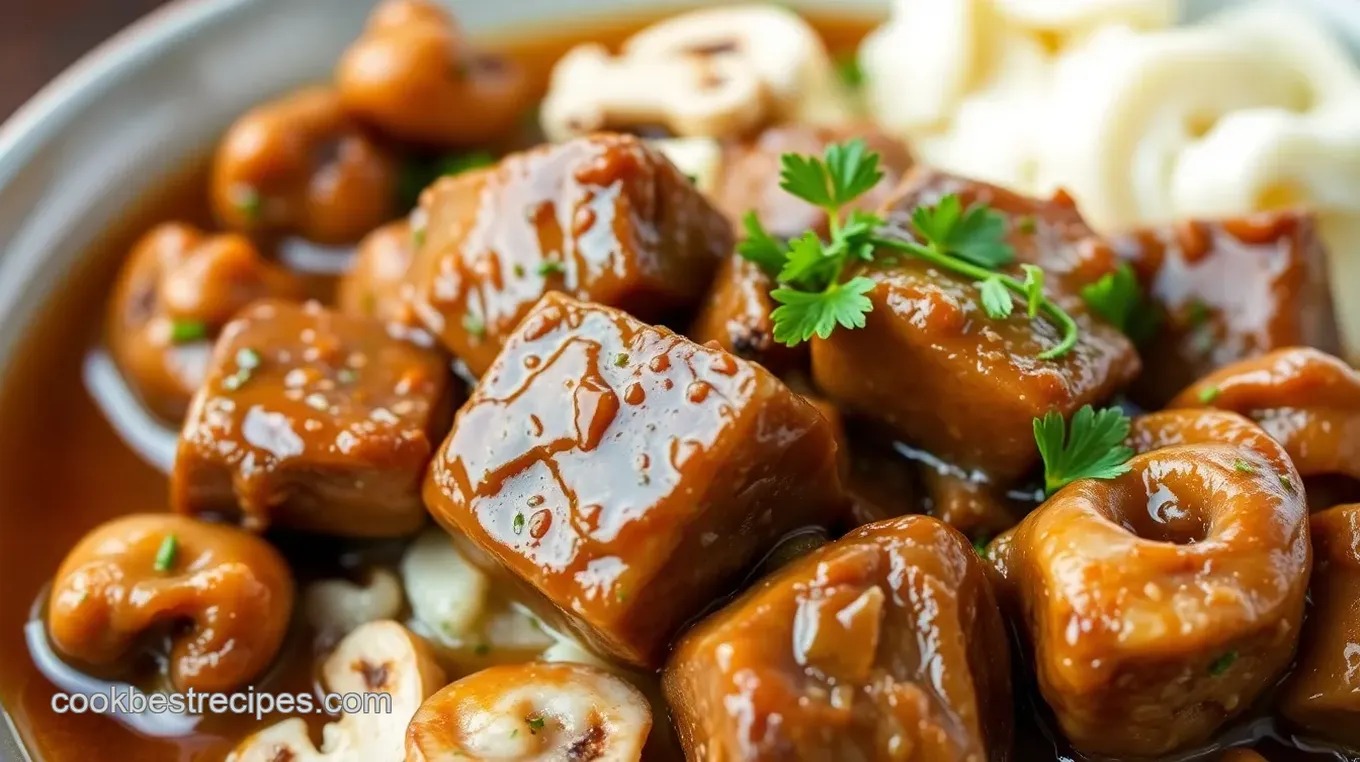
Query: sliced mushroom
(592,90)
(338,606)
(137,574)
(720,72)
(378,657)
(782,48)
(531,712)
(446,591)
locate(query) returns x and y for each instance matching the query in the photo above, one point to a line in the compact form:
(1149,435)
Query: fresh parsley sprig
(1091,447)
(813,299)
(1119,299)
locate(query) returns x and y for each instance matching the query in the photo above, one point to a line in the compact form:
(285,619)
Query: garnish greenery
(1119,299)
(185,331)
(814,298)
(1090,447)
(165,555)
(418,174)
(1208,394)
(551,267)
(1220,665)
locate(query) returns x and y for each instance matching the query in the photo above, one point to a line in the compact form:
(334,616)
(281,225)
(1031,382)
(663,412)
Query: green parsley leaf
(808,262)
(165,555)
(1241,466)
(976,235)
(1208,394)
(535,724)
(518,524)
(1091,447)
(458,163)
(854,170)
(759,247)
(551,267)
(1221,664)
(802,315)
(1117,297)
(185,331)
(996,298)
(848,68)
(1034,289)
(1286,482)
(806,177)
(850,169)
(620,359)
(980,545)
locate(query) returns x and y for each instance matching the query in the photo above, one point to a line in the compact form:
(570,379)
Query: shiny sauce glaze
(50,502)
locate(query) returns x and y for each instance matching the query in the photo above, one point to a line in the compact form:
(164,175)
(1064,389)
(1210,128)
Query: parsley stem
(1057,314)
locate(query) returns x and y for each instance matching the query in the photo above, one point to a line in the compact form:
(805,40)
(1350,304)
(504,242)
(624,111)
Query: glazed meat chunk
(938,372)
(1323,694)
(1048,233)
(887,644)
(1227,291)
(313,420)
(736,312)
(602,218)
(177,289)
(627,475)
(932,367)
(1161,603)
(378,285)
(1309,401)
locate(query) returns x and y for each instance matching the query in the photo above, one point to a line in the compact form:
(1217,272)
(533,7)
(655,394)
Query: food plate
(132,113)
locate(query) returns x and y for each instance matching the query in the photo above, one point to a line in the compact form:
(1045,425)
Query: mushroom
(720,72)
(300,165)
(378,657)
(137,574)
(447,593)
(782,48)
(415,76)
(177,289)
(338,606)
(689,96)
(529,712)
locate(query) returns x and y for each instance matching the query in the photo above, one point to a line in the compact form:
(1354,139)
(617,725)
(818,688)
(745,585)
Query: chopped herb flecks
(1221,664)
(185,331)
(165,555)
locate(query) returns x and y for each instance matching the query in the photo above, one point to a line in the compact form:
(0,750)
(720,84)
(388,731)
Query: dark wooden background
(40,38)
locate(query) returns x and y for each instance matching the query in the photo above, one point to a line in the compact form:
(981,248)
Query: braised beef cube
(1050,234)
(378,284)
(736,315)
(626,475)
(750,175)
(177,289)
(603,218)
(942,375)
(736,312)
(887,640)
(1229,290)
(313,420)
